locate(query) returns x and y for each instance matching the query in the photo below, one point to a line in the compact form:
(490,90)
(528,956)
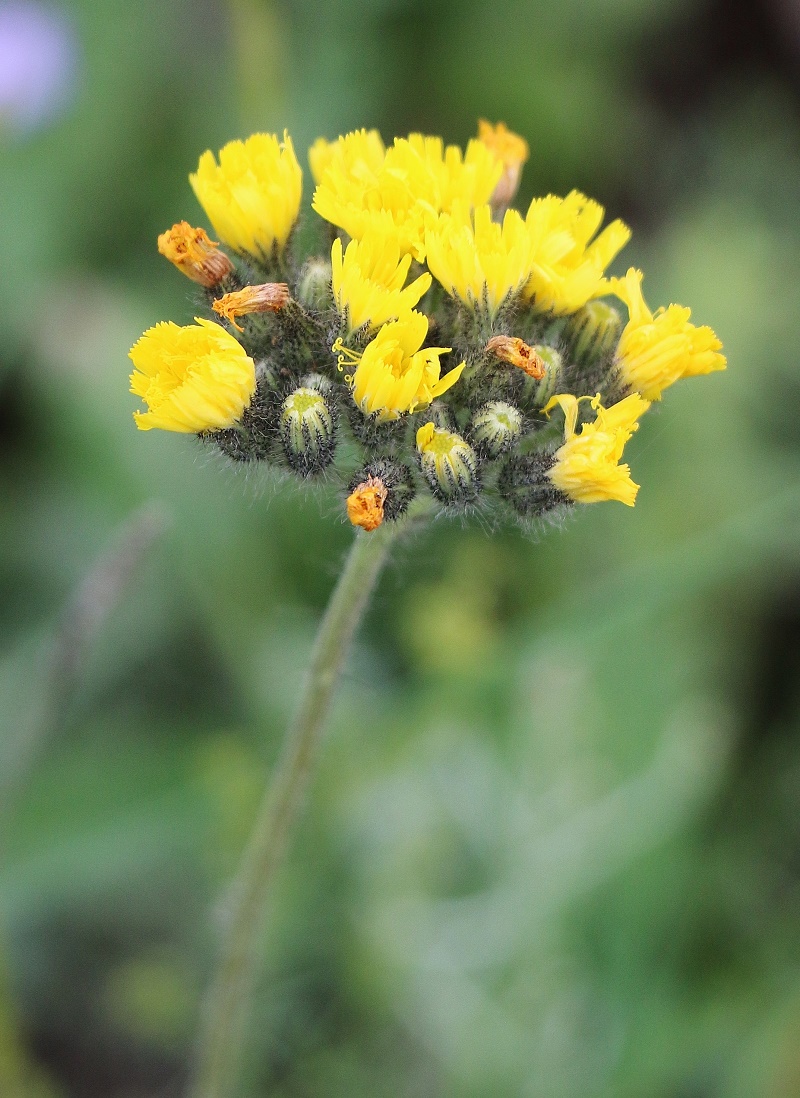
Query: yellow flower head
(350,192)
(512,151)
(252,197)
(441,178)
(363,147)
(415,181)
(191,251)
(587,466)
(192,379)
(656,350)
(568,265)
(394,375)
(477,260)
(368,281)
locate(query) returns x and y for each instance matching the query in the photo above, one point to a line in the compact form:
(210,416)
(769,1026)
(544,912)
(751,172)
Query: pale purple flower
(38,62)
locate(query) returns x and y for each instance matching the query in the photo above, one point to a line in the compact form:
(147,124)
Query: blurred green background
(553,846)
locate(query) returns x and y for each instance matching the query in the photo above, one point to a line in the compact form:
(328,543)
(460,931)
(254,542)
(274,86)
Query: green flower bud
(252,439)
(449,465)
(307,426)
(441,415)
(268,377)
(525,485)
(234,442)
(314,285)
(495,428)
(318,381)
(594,331)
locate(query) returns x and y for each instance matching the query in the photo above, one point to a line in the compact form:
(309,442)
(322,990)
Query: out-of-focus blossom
(38,64)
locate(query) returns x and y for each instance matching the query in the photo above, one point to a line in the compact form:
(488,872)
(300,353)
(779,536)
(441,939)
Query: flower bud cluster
(509,374)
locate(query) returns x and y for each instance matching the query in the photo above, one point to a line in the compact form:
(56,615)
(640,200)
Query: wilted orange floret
(512,151)
(365,503)
(191,251)
(504,143)
(267,298)
(516,352)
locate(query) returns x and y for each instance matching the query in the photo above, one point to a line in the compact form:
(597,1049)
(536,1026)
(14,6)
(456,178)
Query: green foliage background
(553,845)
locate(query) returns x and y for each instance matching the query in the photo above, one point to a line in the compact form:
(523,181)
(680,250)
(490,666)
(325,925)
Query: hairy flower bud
(191,251)
(441,415)
(314,285)
(525,485)
(495,428)
(594,331)
(449,465)
(308,431)
(317,381)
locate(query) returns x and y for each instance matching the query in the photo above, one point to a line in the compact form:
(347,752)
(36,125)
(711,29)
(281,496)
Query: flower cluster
(442,382)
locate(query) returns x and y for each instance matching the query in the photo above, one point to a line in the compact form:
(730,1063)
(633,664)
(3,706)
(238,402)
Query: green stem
(226,1004)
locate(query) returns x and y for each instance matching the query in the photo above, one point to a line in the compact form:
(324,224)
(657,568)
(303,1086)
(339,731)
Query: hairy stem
(226,1004)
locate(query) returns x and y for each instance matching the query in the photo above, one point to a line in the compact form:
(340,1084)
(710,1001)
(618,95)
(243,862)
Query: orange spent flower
(516,352)
(191,251)
(365,503)
(270,297)
(512,151)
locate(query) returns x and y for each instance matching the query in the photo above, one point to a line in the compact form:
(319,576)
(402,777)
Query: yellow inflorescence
(368,280)
(192,379)
(587,466)
(252,197)
(477,260)
(351,334)
(656,350)
(405,190)
(353,154)
(393,375)
(568,265)
(444,177)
